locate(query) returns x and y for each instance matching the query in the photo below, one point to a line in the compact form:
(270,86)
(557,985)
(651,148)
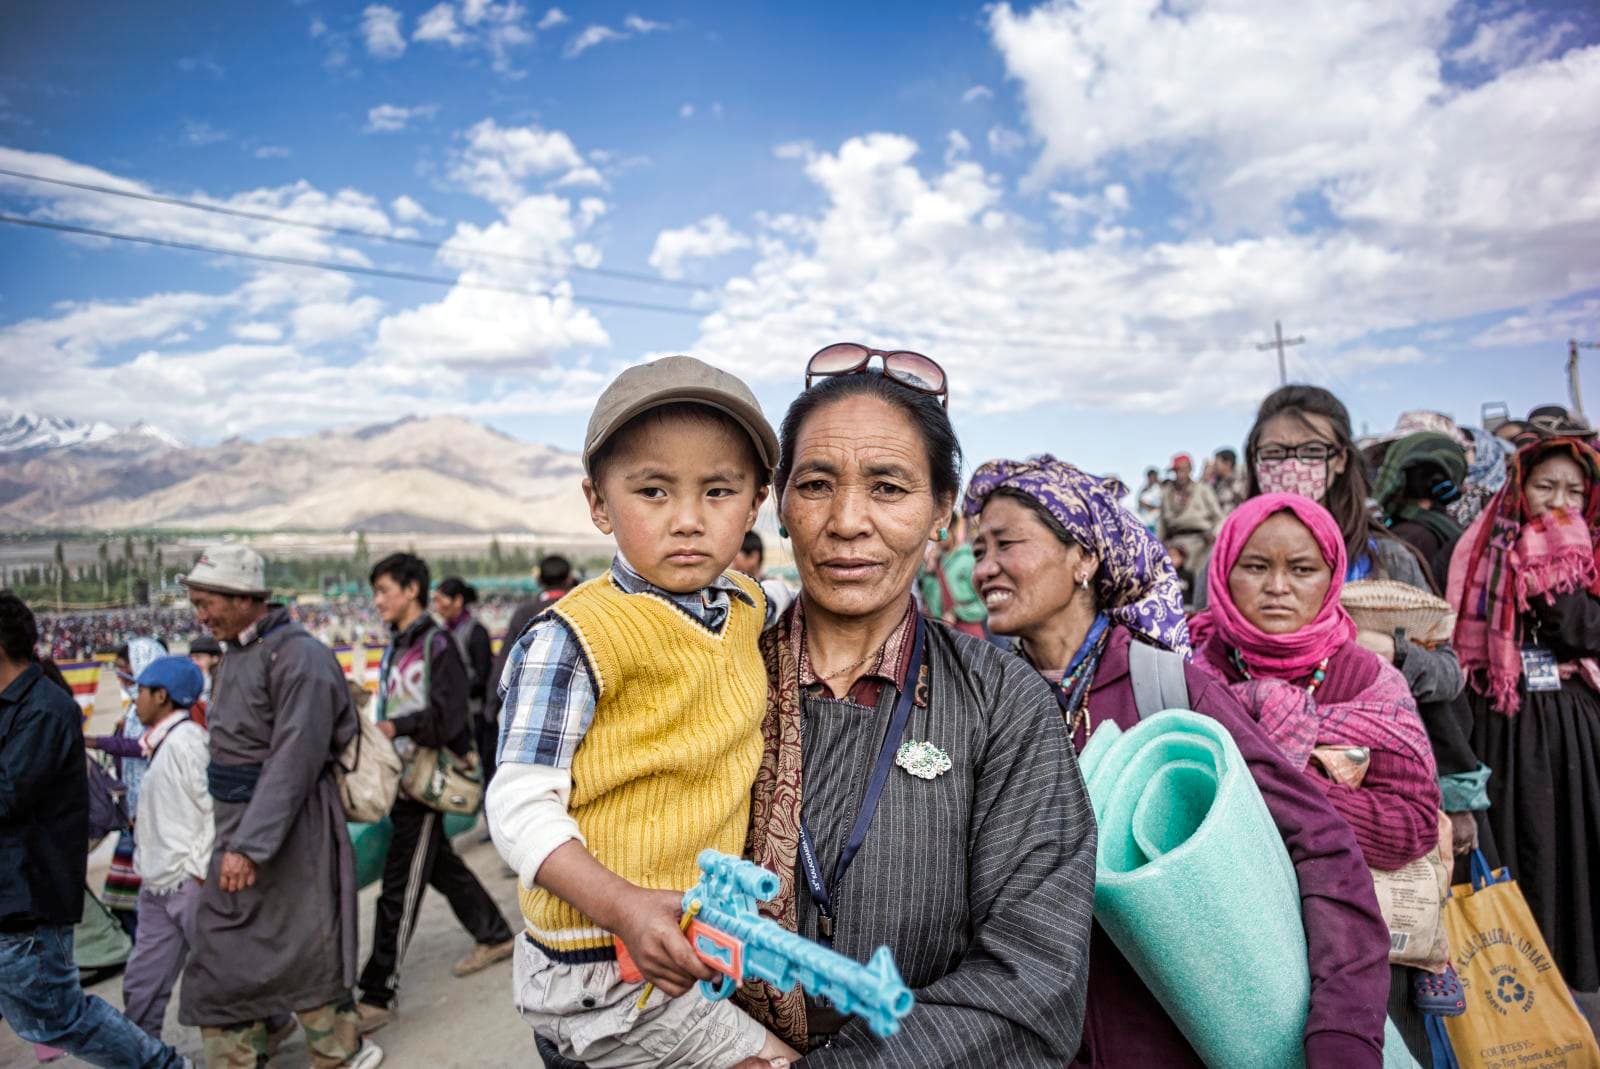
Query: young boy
(631,730)
(175,835)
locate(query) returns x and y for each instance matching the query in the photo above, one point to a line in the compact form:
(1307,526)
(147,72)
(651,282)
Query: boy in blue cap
(175,835)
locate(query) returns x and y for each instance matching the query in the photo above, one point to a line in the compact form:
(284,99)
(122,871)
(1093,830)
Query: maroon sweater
(1347,940)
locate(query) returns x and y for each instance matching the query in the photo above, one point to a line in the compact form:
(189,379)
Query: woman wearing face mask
(1526,589)
(1301,444)
(1286,647)
(1064,568)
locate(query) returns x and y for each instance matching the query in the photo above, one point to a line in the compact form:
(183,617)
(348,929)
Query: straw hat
(1385,606)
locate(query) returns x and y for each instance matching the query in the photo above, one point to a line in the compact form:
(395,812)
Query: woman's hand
(1463,833)
(386,728)
(1377,642)
(649,929)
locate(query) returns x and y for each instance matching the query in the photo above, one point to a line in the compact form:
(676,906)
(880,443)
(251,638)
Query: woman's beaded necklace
(1317,676)
(1079,676)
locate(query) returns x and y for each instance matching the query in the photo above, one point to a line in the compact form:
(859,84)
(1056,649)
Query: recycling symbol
(1510,991)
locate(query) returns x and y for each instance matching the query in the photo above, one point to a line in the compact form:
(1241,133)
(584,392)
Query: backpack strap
(1158,678)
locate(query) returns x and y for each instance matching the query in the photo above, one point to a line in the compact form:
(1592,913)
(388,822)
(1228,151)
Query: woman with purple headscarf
(1080,583)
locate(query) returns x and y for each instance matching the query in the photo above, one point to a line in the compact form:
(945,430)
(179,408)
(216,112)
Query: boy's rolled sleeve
(548,697)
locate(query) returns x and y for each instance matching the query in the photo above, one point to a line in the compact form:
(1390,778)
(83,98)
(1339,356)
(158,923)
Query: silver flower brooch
(923,760)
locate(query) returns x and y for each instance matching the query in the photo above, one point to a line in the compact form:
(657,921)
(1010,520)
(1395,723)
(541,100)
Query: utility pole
(1573,345)
(1279,342)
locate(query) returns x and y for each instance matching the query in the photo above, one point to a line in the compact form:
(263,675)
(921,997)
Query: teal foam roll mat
(1194,886)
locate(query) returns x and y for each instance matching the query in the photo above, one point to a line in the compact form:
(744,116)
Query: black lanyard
(869,802)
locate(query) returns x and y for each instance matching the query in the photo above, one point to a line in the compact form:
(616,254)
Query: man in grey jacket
(275,925)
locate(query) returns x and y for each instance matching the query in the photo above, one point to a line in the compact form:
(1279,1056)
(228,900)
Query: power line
(352,232)
(348,269)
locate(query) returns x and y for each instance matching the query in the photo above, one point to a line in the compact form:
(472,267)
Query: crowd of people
(78,636)
(1399,637)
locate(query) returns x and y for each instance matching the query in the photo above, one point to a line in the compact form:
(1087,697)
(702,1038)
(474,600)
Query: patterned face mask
(1308,478)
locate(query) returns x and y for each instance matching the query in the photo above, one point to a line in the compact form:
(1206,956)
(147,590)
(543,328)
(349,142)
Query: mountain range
(417,475)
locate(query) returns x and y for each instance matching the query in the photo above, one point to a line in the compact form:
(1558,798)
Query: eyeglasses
(907,368)
(1315,452)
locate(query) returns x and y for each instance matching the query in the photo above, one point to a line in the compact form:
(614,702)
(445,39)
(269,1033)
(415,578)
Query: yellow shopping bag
(1520,1014)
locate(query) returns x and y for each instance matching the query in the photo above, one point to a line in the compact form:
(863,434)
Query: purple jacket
(1348,941)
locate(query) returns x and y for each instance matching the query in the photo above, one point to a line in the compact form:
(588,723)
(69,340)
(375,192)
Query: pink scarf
(1278,656)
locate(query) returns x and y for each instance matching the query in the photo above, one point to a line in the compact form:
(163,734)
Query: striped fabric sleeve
(548,697)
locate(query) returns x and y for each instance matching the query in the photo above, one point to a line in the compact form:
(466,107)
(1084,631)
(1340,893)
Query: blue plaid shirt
(547,690)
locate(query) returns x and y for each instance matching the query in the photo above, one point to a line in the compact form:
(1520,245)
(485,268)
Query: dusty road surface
(442,1022)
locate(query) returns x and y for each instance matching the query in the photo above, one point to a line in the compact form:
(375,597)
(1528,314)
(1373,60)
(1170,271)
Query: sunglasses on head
(909,369)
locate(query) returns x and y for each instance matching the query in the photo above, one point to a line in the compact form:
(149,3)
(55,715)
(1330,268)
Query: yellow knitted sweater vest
(666,766)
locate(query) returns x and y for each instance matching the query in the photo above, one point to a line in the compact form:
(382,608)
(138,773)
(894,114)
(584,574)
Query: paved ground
(442,1022)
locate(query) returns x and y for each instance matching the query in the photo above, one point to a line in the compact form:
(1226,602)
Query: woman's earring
(944,533)
(1083,582)
(783,532)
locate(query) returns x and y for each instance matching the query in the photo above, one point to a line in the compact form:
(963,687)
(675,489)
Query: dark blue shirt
(44,805)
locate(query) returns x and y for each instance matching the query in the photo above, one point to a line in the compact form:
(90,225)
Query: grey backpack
(1158,680)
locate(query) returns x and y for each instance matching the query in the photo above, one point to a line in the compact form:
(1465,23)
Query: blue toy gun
(728,934)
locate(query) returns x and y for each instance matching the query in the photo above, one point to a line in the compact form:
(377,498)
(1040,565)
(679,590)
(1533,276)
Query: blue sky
(1088,212)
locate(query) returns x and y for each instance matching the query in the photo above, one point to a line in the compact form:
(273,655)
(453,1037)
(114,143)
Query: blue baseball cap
(178,676)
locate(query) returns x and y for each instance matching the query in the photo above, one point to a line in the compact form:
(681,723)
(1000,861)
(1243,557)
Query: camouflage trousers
(333,1035)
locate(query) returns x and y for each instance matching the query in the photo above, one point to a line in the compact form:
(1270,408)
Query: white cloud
(388,118)
(498,160)
(438,23)
(277,348)
(591,36)
(475,328)
(205,64)
(632,26)
(956,147)
(198,132)
(553,18)
(686,111)
(257,332)
(380,29)
(709,238)
(977,93)
(408,210)
(271,152)
(793,150)
(497,29)
(1518,39)
(1004,141)
(933,260)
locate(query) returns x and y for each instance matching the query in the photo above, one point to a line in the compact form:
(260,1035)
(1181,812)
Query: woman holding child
(974,860)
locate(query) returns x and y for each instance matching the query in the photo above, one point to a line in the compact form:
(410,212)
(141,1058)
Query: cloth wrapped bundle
(1194,886)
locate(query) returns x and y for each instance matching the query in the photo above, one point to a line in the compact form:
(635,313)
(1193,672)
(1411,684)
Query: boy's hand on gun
(648,925)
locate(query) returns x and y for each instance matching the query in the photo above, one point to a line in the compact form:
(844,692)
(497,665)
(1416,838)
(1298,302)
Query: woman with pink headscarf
(1280,639)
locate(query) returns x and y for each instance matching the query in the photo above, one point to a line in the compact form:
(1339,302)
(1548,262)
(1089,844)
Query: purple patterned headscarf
(1136,584)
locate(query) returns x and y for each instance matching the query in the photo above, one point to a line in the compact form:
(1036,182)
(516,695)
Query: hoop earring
(783,532)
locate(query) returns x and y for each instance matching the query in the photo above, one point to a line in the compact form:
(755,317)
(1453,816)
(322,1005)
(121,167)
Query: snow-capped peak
(22,431)
(31,432)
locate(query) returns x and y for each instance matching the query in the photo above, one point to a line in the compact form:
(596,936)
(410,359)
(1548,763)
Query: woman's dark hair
(19,631)
(1347,492)
(457,587)
(923,410)
(404,569)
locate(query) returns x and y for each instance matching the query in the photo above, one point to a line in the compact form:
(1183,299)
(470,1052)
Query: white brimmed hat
(229,569)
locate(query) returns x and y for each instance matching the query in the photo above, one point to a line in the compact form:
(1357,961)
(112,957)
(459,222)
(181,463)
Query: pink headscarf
(1279,656)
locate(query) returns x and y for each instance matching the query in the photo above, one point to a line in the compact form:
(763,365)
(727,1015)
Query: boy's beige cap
(673,379)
